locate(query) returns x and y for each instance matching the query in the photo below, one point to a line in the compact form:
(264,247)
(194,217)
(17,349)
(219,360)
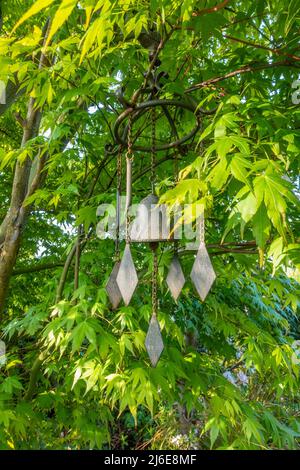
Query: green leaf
(11,383)
(238,167)
(77,376)
(261,226)
(96,31)
(219,174)
(93,378)
(247,207)
(252,427)
(223,146)
(241,143)
(276,253)
(65,9)
(214,432)
(78,335)
(6,416)
(36,8)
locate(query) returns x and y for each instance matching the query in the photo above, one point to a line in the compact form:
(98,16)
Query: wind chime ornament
(175,278)
(203,274)
(154,342)
(127,278)
(112,287)
(150,224)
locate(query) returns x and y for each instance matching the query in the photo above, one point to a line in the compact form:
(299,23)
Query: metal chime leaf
(154,343)
(127,279)
(112,287)
(175,278)
(203,274)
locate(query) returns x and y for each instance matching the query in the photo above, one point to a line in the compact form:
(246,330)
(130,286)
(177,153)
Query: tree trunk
(11,227)
(24,184)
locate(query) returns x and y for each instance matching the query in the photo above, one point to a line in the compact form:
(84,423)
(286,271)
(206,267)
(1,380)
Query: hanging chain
(129,160)
(152,181)
(119,190)
(202,228)
(176,168)
(176,179)
(201,218)
(129,153)
(154,282)
(153,139)
(176,245)
(119,170)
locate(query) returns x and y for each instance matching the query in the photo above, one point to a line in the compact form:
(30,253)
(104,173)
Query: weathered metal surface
(151,223)
(154,343)
(112,287)
(175,278)
(127,279)
(203,274)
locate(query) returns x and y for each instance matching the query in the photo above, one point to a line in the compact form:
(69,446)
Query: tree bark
(11,227)
(24,184)
(12,93)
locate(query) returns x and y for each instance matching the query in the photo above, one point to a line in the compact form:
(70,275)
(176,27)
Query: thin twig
(241,70)
(206,11)
(260,46)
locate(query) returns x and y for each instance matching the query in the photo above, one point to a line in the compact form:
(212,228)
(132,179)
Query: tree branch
(260,46)
(77,257)
(160,47)
(33,376)
(241,70)
(36,268)
(206,11)
(64,273)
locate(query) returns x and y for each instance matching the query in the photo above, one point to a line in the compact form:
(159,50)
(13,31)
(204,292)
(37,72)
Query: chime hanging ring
(141,108)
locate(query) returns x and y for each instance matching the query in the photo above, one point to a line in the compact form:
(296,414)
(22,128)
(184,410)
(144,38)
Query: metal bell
(152,223)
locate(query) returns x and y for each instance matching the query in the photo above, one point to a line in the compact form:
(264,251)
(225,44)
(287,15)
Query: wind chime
(148,227)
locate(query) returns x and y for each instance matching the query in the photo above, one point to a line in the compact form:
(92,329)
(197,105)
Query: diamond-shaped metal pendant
(112,287)
(154,343)
(175,278)
(127,279)
(203,274)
